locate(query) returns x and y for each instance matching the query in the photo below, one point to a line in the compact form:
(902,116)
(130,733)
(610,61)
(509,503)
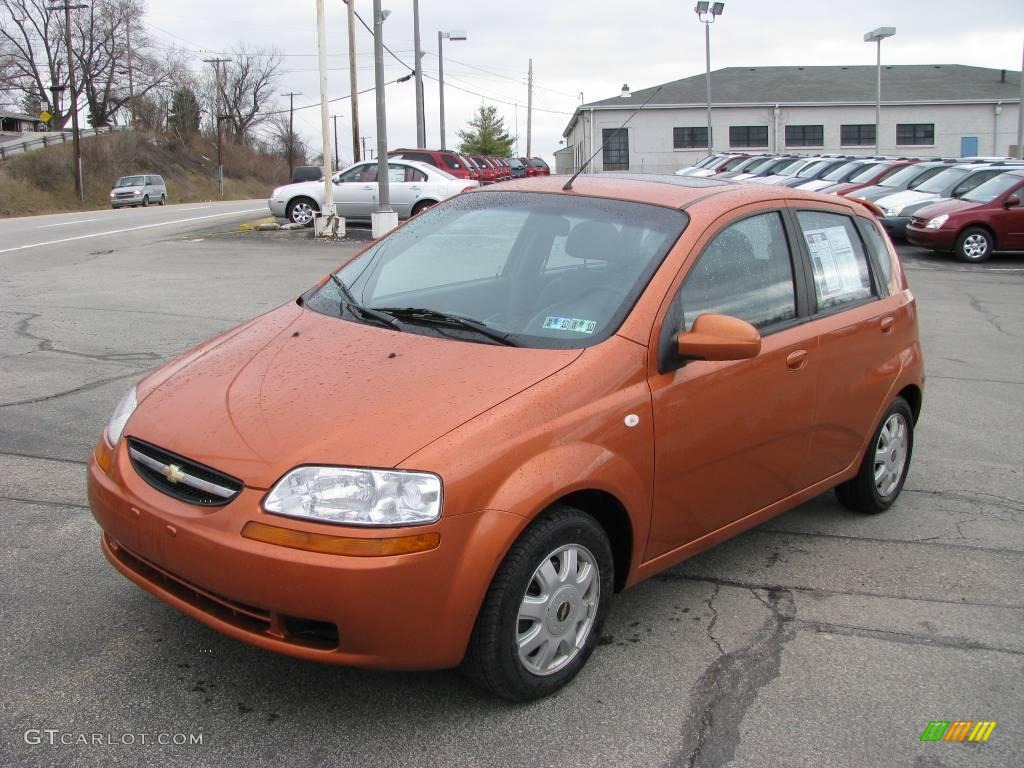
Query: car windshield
(757,165)
(993,188)
(810,170)
(868,172)
(547,271)
(943,180)
(902,177)
(780,170)
(842,172)
(732,164)
(795,168)
(131,181)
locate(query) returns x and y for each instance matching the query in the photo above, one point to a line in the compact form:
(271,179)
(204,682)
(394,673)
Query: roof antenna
(568,185)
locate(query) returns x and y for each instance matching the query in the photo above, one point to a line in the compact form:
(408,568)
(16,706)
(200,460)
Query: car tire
(883,470)
(974,245)
(163,199)
(302,210)
(145,202)
(422,205)
(542,599)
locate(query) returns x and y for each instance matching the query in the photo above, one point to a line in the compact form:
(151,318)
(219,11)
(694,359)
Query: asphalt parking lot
(821,638)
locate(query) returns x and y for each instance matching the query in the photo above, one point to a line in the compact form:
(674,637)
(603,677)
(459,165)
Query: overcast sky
(588,46)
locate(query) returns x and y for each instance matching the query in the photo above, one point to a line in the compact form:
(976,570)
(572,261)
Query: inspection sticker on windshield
(570,324)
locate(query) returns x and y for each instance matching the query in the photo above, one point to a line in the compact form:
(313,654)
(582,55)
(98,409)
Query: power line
(402,79)
(495,98)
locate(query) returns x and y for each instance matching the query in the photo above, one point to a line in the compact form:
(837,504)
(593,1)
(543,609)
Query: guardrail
(11,148)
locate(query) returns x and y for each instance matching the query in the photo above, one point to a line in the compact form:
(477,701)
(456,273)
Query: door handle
(796,360)
(368,187)
(416,189)
(887,324)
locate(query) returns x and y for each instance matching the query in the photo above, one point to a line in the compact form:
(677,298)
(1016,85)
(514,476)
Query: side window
(359,173)
(972,181)
(876,245)
(414,174)
(450,161)
(924,177)
(396,173)
(745,272)
(838,262)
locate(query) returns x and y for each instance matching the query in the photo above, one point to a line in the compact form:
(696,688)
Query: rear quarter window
(838,263)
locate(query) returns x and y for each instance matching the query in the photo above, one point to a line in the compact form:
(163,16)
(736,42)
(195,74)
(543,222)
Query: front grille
(311,633)
(917,221)
(182,478)
(125,194)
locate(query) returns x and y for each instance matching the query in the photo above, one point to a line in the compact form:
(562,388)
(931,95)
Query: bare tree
(282,138)
(246,84)
(32,45)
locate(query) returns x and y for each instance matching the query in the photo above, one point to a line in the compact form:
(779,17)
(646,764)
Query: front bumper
(895,226)
(277,207)
(413,611)
(937,239)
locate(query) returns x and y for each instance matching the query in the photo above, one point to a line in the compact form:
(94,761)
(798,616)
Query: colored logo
(958,730)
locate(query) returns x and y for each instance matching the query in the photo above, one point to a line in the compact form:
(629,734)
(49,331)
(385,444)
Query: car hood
(816,184)
(901,200)
(302,187)
(874,193)
(297,387)
(951,206)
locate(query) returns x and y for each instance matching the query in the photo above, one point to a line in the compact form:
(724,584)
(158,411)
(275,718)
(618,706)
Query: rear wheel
(301,210)
(543,613)
(422,205)
(974,245)
(886,462)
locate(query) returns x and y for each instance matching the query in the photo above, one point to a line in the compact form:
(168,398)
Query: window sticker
(836,271)
(570,324)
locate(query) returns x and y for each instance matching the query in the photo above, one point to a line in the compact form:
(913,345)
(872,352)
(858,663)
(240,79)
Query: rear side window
(745,272)
(876,245)
(838,263)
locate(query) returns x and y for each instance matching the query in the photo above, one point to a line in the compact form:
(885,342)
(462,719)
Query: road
(821,638)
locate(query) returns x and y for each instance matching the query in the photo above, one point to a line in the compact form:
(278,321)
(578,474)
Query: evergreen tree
(184,111)
(486,134)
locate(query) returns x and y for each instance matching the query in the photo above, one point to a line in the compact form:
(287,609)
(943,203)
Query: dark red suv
(445,159)
(988,218)
(535,166)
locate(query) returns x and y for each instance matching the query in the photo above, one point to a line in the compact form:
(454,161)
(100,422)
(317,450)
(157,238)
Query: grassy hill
(41,181)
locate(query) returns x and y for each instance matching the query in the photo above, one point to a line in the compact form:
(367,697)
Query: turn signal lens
(104,454)
(340,545)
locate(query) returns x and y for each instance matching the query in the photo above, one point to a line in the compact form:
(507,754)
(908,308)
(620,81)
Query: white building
(945,110)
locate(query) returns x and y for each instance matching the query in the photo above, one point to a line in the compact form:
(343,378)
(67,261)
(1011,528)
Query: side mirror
(719,337)
(1011,201)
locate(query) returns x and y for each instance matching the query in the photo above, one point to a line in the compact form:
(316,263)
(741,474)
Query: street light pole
(441,36)
(353,82)
(877,36)
(706,14)
(68,8)
(325,142)
(421,119)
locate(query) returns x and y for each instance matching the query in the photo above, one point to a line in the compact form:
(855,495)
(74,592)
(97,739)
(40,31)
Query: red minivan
(988,218)
(450,162)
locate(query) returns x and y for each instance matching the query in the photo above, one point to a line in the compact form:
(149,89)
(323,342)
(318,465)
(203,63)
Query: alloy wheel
(975,246)
(891,454)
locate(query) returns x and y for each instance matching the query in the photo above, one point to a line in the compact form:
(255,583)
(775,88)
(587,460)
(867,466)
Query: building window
(748,135)
(805,135)
(857,135)
(915,133)
(688,138)
(615,155)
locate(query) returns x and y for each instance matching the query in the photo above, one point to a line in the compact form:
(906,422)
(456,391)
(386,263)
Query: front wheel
(886,462)
(543,613)
(145,202)
(974,245)
(301,210)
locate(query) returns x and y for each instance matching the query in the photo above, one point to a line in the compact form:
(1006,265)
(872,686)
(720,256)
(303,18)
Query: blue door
(968,146)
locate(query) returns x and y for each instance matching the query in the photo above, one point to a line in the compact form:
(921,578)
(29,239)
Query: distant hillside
(41,181)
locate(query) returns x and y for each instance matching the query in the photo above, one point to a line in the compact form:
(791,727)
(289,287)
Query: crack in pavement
(987,314)
(17,455)
(84,388)
(930,541)
(710,602)
(44,344)
(1006,502)
(44,502)
(729,686)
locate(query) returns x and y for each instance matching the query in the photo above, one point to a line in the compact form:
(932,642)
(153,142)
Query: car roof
(671,191)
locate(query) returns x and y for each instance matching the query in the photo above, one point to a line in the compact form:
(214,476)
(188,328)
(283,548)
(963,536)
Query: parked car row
(968,206)
(487,169)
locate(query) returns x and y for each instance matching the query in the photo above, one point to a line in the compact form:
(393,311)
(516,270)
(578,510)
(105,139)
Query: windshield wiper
(350,301)
(434,317)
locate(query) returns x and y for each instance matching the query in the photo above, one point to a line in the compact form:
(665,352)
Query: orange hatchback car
(456,448)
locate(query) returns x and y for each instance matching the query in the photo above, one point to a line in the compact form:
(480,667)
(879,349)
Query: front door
(968,146)
(730,437)
(355,192)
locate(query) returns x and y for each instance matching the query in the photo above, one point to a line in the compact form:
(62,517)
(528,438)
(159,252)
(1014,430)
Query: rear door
(405,185)
(862,325)
(731,437)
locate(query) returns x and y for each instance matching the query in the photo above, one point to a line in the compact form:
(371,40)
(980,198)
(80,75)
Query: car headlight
(350,496)
(276,193)
(937,222)
(120,417)
(892,211)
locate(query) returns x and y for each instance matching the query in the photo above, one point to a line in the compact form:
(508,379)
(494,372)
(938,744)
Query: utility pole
(220,148)
(421,119)
(68,8)
(384,219)
(529,112)
(1020,114)
(325,143)
(131,79)
(291,130)
(362,141)
(352,79)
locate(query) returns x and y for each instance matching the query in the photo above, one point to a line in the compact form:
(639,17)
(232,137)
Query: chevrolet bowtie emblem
(173,473)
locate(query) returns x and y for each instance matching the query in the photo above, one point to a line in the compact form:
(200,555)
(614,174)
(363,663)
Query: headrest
(599,240)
